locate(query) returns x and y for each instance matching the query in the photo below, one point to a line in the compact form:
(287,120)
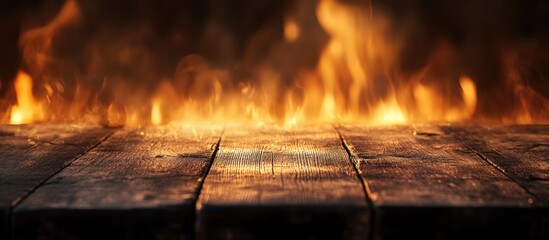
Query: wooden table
(437,181)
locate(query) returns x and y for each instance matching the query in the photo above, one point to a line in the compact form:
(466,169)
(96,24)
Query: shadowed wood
(29,154)
(140,183)
(520,152)
(279,183)
(423,184)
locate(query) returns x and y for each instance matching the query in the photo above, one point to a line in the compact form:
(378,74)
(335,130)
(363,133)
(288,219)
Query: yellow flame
(389,112)
(469,90)
(291,30)
(27,109)
(156,114)
(356,58)
(355,79)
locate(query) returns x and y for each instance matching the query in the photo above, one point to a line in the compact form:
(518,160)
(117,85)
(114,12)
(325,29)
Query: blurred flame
(432,105)
(389,112)
(355,56)
(469,90)
(356,79)
(156,114)
(27,109)
(116,116)
(291,30)
(36,43)
(530,106)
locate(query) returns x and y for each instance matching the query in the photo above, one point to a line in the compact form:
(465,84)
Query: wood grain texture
(29,154)
(138,184)
(423,184)
(279,183)
(519,152)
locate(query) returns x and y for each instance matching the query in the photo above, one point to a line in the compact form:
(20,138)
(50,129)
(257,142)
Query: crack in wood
(486,153)
(496,166)
(201,183)
(365,188)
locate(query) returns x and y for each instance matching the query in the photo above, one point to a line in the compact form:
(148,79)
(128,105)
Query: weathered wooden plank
(279,183)
(138,184)
(423,184)
(520,152)
(29,154)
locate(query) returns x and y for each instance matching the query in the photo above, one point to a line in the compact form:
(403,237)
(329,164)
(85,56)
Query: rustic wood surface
(278,183)
(30,154)
(138,184)
(519,152)
(424,184)
(423,181)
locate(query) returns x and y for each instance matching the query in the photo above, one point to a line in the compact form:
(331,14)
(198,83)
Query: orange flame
(356,78)
(291,30)
(27,109)
(156,114)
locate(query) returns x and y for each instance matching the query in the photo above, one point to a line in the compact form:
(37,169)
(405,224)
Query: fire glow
(356,78)
(27,108)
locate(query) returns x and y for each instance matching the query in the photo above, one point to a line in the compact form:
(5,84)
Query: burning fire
(356,77)
(27,108)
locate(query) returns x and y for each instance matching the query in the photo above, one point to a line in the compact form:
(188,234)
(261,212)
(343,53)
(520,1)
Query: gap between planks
(201,184)
(365,186)
(296,178)
(126,156)
(396,157)
(20,199)
(25,151)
